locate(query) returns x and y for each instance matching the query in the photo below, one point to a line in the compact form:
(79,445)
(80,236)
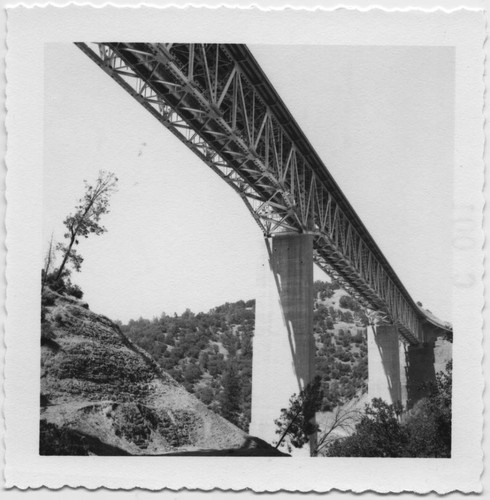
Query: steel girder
(220,104)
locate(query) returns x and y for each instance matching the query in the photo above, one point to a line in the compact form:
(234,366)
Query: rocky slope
(103,395)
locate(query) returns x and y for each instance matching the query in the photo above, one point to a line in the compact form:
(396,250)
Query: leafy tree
(192,373)
(429,422)
(347,302)
(323,289)
(348,317)
(247,346)
(297,422)
(215,364)
(205,394)
(231,397)
(86,218)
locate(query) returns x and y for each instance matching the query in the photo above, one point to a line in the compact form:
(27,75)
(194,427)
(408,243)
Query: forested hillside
(211,353)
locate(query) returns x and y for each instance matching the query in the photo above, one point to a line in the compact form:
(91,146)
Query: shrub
(63,284)
(192,373)
(347,302)
(205,394)
(59,318)
(74,290)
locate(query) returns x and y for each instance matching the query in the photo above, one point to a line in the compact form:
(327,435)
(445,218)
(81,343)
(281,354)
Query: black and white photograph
(249,247)
(201,358)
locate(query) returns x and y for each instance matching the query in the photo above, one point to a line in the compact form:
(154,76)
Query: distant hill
(339,326)
(103,395)
(211,353)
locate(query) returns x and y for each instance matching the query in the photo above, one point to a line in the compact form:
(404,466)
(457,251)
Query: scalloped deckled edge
(485,220)
(485,207)
(3,261)
(252,5)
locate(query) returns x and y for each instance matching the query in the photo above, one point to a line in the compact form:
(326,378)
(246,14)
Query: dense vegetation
(341,346)
(381,430)
(211,353)
(384,431)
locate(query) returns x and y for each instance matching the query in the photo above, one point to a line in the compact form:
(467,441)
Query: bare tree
(344,421)
(86,219)
(48,262)
(298,422)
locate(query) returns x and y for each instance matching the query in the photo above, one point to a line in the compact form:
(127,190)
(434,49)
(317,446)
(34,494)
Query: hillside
(103,395)
(211,353)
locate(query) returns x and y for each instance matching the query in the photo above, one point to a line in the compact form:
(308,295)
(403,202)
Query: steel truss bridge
(217,100)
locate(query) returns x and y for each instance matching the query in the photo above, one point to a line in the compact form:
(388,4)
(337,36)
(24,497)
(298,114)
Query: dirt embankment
(102,395)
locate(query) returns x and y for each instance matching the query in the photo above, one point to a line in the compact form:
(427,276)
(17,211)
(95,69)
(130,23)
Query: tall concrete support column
(420,371)
(284,348)
(403,372)
(386,365)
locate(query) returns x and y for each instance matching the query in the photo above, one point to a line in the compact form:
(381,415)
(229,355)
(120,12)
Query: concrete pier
(284,350)
(420,371)
(386,365)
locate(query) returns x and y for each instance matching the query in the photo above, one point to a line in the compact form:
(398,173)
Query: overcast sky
(381,118)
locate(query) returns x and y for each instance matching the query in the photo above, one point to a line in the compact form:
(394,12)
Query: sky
(381,119)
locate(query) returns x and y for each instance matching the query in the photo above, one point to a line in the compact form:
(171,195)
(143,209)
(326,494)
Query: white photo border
(28,31)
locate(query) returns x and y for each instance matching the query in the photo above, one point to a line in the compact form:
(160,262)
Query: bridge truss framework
(216,99)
